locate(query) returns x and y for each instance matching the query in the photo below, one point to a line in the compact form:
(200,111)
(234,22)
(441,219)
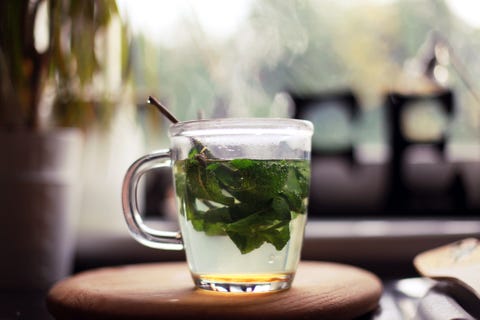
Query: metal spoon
(153,101)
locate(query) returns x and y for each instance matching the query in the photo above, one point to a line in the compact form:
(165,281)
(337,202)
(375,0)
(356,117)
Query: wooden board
(320,290)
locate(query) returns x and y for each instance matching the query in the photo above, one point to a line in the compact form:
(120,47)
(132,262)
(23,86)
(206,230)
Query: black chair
(403,199)
(345,99)
(342,186)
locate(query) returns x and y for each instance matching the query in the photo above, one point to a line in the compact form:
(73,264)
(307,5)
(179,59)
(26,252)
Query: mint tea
(242,218)
(242,188)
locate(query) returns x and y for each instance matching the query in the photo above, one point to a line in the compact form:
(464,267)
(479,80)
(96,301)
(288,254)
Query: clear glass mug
(242,190)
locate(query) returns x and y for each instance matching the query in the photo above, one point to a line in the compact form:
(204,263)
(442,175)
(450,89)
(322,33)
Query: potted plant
(48,94)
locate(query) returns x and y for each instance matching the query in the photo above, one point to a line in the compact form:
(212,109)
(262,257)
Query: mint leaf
(263,226)
(281,208)
(250,201)
(278,236)
(241,163)
(203,185)
(253,179)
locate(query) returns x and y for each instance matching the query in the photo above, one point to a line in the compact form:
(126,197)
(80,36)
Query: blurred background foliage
(55,68)
(302,47)
(305,47)
(276,47)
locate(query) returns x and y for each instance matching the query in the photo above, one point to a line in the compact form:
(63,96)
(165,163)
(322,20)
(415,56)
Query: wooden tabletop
(320,290)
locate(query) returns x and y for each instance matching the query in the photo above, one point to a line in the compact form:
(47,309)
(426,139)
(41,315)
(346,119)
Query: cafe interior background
(390,85)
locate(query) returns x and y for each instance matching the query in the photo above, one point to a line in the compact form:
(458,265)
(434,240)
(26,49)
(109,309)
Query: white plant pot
(39,193)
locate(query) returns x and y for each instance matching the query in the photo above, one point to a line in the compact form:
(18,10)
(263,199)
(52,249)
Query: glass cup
(242,190)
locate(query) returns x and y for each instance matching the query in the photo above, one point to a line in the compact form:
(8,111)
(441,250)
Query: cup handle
(167,240)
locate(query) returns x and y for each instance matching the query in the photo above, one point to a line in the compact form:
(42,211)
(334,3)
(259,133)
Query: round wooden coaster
(320,290)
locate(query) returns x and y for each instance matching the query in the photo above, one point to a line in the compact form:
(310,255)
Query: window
(254,58)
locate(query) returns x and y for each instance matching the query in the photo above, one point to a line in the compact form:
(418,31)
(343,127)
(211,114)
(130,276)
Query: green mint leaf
(242,163)
(203,185)
(250,233)
(281,208)
(246,243)
(214,229)
(253,179)
(278,235)
(250,201)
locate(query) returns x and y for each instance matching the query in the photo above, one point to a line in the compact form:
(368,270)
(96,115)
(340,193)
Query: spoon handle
(162,109)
